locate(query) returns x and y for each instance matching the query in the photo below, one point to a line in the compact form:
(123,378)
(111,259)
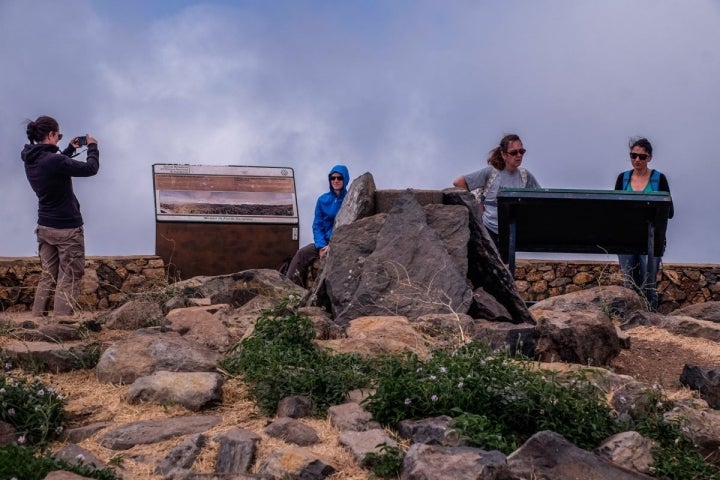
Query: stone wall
(110,280)
(678,284)
(106,283)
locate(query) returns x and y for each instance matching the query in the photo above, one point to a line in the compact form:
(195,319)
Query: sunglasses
(641,156)
(515,153)
(59,136)
(335,177)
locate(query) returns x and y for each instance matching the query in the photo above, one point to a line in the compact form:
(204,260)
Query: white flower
(2,390)
(460,384)
(40,392)
(11,411)
(21,439)
(80,457)
(432,377)
(434,398)
(407,401)
(443,370)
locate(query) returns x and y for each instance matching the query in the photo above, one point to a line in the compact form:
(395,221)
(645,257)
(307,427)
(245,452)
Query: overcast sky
(415,92)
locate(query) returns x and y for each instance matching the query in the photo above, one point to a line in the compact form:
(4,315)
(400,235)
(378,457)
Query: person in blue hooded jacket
(327,206)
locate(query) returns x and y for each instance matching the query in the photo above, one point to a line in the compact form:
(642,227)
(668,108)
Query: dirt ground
(655,356)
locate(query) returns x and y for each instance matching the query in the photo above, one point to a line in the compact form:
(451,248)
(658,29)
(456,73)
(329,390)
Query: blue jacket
(327,206)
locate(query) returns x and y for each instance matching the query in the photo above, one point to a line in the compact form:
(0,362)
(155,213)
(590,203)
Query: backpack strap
(523,176)
(480,192)
(655,181)
(626,179)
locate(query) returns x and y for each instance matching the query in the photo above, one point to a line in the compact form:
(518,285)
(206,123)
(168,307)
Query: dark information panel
(582,221)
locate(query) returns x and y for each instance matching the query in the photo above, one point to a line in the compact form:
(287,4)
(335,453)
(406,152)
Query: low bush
(281,359)
(26,463)
(33,409)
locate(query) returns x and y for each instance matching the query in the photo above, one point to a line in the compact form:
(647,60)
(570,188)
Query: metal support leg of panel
(651,270)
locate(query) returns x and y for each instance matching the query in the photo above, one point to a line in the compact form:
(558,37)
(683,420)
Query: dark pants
(62,258)
(300,264)
(634,272)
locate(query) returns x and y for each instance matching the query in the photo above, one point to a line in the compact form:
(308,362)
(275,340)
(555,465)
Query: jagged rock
(634,399)
(516,339)
(50,356)
(52,332)
(362,443)
(702,426)
(584,337)
(292,431)
(380,335)
(192,390)
(133,315)
(295,463)
(709,311)
(76,455)
(296,406)
(485,306)
(143,353)
(201,325)
(548,455)
(398,277)
(446,330)
(704,380)
(613,301)
(153,431)
(691,327)
(237,450)
(351,417)
(76,435)
(325,328)
(359,201)
(451,463)
(454,234)
(239,288)
(434,431)
(485,268)
(630,450)
(643,318)
(182,456)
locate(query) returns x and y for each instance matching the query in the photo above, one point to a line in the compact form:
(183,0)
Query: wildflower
(419,370)
(407,401)
(460,384)
(80,457)
(11,411)
(2,390)
(432,377)
(434,398)
(40,392)
(443,370)
(21,439)
(8,366)
(58,430)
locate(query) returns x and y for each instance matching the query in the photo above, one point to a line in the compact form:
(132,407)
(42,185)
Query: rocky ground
(656,356)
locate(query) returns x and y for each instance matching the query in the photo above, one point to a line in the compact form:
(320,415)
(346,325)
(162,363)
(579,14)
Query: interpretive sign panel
(227,194)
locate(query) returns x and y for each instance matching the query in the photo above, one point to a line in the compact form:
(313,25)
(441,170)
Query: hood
(33,151)
(342,170)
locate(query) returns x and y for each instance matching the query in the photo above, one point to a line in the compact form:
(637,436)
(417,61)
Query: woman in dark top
(641,179)
(60,236)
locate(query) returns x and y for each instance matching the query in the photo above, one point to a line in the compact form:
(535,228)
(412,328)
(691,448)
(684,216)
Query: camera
(82,140)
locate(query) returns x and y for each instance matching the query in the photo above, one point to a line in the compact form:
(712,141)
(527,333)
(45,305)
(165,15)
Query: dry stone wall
(678,284)
(110,280)
(107,282)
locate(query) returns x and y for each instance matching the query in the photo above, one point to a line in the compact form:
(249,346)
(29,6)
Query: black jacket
(50,175)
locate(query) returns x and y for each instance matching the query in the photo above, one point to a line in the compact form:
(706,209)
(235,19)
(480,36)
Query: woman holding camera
(61,242)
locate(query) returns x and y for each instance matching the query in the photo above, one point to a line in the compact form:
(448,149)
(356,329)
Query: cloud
(414,92)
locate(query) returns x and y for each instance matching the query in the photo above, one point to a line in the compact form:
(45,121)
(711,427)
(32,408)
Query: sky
(414,92)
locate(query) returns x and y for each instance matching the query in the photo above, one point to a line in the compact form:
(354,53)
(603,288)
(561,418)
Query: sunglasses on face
(515,153)
(59,136)
(336,178)
(641,156)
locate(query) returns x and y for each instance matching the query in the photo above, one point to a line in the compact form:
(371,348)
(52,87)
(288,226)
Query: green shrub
(281,359)
(519,400)
(387,463)
(25,463)
(35,410)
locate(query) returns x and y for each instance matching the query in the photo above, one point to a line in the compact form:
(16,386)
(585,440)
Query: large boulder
(409,271)
(612,300)
(709,311)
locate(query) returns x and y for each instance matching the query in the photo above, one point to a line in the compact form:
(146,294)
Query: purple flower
(11,411)
(21,439)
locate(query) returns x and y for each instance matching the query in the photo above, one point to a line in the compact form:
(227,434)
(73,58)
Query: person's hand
(74,143)
(91,139)
(324,250)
